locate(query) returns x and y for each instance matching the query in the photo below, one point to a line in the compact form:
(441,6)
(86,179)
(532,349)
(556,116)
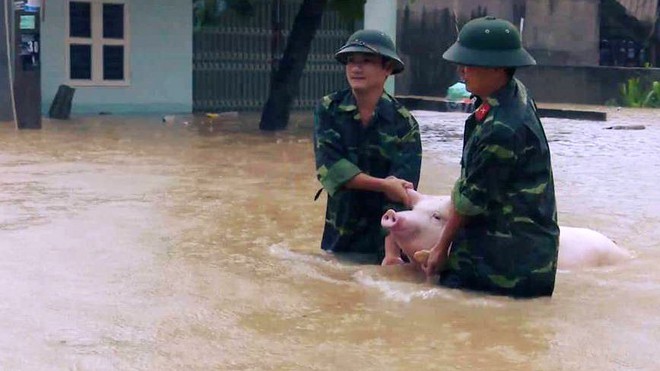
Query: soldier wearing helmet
(368,150)
(503,229)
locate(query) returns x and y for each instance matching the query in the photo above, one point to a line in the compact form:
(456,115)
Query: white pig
(419,229)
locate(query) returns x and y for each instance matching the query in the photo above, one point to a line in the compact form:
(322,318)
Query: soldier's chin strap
(318,193)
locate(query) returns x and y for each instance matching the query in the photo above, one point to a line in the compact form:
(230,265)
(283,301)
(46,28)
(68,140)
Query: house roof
(644,10)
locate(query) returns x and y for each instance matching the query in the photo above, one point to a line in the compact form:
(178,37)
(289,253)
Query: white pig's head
(419,228)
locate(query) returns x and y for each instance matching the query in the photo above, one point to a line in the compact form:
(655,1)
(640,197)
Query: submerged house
(149,56)
(121,56)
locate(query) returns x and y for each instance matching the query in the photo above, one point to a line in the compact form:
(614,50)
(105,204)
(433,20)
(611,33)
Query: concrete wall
(160,60)
(555,32)
(563,32)
(581,84)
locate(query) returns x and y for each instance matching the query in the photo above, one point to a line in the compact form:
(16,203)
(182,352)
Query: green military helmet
(489,42)
(372,42)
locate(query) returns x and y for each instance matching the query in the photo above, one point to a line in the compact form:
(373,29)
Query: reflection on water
(132,244)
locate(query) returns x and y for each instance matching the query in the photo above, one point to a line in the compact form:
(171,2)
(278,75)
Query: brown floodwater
(132,244)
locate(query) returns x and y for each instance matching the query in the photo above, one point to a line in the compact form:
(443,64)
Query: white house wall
(159,71)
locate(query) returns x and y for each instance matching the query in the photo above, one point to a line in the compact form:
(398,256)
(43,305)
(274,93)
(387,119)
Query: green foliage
(631,93)
(653,96)
(349,10)
(244,8)
(634,95)
(207,12)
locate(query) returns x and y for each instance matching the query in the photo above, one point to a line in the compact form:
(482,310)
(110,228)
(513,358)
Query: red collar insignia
(482,111)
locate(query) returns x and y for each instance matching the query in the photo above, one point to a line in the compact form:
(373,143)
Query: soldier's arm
(488,171)
(333,169)
(407,163)
(393,188)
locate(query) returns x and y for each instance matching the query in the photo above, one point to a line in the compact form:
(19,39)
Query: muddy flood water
(131,244)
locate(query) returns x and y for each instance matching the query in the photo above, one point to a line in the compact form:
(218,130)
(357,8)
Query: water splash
(309,266)
(403,292)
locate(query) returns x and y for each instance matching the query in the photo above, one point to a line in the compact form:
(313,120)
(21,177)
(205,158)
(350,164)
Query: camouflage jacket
(506,189)
(389,145)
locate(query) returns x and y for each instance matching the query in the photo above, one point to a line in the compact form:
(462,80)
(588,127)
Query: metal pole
(10,8)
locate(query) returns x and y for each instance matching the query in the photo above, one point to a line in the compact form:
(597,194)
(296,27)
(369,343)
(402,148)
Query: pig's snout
(389,219)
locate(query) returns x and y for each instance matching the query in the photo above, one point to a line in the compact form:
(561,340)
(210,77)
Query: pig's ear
(414,197)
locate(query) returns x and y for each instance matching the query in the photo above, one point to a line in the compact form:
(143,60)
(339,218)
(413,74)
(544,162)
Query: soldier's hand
(435,262)
(395,189)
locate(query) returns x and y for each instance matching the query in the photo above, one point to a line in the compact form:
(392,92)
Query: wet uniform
(389,145)
(506,189)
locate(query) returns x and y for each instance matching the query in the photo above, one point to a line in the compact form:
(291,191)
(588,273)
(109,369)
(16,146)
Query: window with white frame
(97,42)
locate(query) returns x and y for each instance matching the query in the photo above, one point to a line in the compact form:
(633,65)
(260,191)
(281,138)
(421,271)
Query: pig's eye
(437,216)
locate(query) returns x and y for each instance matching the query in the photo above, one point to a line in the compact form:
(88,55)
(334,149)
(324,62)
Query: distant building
(630,33)
(577,33)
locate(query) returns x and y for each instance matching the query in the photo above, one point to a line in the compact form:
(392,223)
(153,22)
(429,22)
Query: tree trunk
(285,82)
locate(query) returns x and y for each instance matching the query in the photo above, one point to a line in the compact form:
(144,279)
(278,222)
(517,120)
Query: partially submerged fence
(233,59)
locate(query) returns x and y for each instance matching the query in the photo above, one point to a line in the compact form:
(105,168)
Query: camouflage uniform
(506,189)
(389,145)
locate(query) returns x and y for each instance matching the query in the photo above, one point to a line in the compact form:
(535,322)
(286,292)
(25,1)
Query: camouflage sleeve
(332,167)
(487,170)
(407,161)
